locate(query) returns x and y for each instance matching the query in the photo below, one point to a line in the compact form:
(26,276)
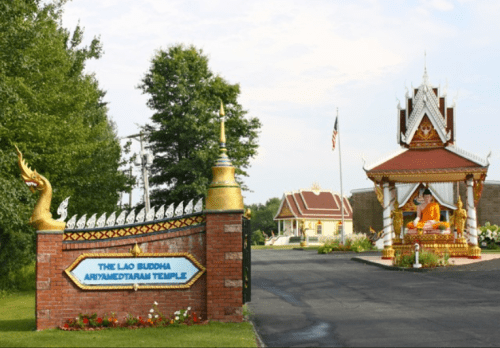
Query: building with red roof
(320,210)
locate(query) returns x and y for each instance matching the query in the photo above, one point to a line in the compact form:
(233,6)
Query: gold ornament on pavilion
(41,218)
(397,219)
(224,193)
(459,218)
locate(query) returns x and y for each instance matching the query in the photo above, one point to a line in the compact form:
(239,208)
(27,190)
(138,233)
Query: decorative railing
(126,217)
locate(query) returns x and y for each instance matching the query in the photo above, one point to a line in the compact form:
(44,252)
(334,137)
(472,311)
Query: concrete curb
(260,342)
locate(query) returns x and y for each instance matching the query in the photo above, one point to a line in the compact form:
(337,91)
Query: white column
(279,227)
(471,213)
(387,223)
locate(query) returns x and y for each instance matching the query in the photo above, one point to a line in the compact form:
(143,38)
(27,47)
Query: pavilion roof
(313,204)
(441,164)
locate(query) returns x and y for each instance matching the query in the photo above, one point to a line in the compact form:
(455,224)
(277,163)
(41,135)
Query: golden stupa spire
(222,130)
(224,193)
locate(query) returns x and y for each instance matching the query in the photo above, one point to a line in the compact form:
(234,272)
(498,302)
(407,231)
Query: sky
(297,62)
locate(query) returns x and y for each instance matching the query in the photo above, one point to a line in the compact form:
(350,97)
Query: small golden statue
(397,219)
(459,218)
(248,214)
(41,218)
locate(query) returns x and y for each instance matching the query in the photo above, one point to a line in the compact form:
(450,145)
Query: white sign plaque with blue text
(111,272)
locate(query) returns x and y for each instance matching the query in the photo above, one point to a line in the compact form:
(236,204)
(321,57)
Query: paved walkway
(301,298)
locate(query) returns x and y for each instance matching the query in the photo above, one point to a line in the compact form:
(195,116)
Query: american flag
(334,135)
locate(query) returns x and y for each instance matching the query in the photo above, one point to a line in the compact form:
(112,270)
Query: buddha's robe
(430,212)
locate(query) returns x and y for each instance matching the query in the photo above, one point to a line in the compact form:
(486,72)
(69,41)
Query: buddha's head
(459,203)
(427,196)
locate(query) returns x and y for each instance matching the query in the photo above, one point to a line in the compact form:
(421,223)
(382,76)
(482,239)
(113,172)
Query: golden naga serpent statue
(41,218)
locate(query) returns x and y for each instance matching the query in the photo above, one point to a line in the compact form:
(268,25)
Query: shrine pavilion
(428,159)
(319,209)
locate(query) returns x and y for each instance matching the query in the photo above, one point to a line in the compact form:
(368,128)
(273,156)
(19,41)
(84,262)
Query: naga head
(30,177)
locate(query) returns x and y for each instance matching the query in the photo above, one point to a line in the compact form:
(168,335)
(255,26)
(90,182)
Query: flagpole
(341,189)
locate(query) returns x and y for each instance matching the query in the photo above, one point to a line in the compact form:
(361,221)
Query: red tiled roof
(422,159)
(309,205)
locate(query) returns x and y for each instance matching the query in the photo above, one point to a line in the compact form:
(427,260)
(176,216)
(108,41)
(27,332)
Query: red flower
(195,319)
(85,321)
(66,326)
(99,320)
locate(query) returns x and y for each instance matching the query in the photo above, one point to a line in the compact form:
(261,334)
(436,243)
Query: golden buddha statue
(428,213)
(458,218)
(397,219)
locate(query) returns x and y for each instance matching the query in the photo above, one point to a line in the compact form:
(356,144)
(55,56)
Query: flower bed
(154,319)
(357,242)
(427,258)
(489,235)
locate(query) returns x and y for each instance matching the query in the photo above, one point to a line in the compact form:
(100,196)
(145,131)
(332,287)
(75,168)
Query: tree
(258,238)
(55,113)
(185,96)
(263,214)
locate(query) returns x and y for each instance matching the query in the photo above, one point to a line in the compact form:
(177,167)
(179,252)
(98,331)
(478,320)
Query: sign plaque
(125,271)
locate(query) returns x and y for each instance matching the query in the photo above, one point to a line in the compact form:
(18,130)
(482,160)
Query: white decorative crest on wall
(160,212)
(91,221)
(81,222)
(150,216)
(62,211)
(101,221)
(71,223)
(189,208)
(141,216)
(111,219)
(199,206)
(179,209)
(170,211)
(121,218)
(131,217)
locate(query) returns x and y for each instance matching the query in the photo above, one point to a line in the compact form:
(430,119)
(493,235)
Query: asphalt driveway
(301,298)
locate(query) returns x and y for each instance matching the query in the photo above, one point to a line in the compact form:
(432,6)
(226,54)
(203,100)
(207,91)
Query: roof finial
(426,77)
(222,129)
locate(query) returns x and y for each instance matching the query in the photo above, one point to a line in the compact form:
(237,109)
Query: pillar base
(388,253)
(474,252)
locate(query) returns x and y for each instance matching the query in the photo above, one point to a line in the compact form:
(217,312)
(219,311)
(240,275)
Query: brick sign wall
(215,243)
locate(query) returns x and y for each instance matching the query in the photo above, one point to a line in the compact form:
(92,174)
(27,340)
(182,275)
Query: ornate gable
(426,122)
(285,211)
(426,135)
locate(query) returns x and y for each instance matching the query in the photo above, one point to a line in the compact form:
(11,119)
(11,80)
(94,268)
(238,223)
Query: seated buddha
(427,213)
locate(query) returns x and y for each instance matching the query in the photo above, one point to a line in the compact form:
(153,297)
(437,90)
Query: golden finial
(315,186)
(224,193)
(136,251)
(222,113)
(222,129)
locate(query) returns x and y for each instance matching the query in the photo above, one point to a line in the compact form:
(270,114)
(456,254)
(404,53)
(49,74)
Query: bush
(20,279)
(258,238)
(489,234)
(427,258)
(357,242)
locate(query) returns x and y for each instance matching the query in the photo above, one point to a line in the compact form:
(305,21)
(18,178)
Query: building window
(319,228)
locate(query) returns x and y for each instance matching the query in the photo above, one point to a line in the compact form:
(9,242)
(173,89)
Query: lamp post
(145,161)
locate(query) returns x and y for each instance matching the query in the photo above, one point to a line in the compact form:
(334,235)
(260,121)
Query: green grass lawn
(17,325)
